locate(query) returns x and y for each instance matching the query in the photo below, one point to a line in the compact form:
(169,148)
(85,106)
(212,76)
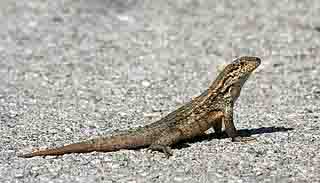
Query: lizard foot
(165,149)
(244,139)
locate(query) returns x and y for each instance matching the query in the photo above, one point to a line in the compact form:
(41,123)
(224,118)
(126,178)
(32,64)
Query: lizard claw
(165,149)
(243,139)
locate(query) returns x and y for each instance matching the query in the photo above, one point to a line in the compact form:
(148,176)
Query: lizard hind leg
(161,148)
(166,139)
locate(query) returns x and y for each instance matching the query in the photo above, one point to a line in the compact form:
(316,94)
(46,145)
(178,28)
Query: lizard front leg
(229,125)
(215,119)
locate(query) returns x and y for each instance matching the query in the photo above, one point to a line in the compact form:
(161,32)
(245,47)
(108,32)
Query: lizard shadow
(242,133)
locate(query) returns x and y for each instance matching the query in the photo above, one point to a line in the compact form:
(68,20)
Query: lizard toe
(161,148)
(244,139)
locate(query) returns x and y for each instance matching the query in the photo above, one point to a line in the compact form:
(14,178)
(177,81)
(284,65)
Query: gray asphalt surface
(75,69)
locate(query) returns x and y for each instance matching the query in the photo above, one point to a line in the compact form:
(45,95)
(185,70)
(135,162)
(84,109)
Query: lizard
(212,108)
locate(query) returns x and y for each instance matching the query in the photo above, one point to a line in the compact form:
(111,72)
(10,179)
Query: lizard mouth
(249,62)
(258,61)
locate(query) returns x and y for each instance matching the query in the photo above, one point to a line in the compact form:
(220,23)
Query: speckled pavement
(73,69)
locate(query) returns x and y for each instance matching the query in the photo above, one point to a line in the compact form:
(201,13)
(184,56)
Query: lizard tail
(103,144)
(71,148)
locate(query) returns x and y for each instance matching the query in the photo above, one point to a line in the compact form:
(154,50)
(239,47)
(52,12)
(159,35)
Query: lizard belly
(198,126)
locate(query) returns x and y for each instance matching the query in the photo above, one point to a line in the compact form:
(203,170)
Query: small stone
(57,19)
(18,175)
(145,83)
(32,24)
(122,114)
(151,115)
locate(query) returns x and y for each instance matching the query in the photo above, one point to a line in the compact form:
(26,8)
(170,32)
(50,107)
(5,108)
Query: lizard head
(236,73)
(246,64)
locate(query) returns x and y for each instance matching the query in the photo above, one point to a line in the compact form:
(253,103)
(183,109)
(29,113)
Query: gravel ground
(75,69)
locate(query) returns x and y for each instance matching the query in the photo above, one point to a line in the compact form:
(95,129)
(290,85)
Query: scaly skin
(212,108)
